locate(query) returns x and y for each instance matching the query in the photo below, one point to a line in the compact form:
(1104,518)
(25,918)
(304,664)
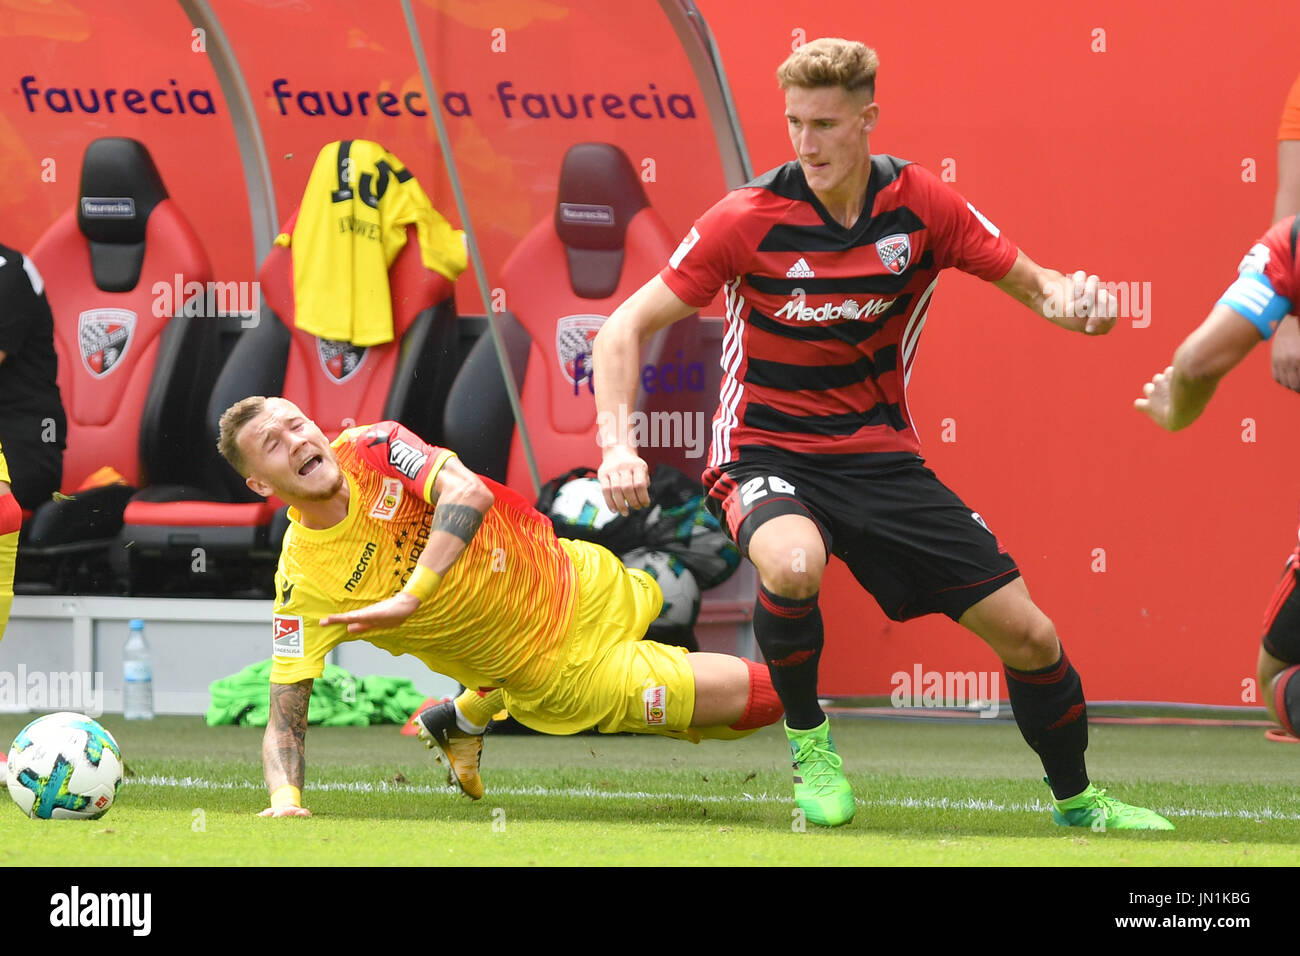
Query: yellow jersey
(500,616)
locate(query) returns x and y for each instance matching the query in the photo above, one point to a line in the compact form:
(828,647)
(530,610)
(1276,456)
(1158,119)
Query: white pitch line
(913,803)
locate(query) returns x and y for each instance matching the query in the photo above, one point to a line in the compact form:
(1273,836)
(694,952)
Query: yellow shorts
(609,678)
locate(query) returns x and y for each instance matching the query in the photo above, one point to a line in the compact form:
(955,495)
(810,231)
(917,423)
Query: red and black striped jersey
(823,321)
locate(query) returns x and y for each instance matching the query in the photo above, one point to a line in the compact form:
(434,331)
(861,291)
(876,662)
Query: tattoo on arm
(283,757)
(460,520)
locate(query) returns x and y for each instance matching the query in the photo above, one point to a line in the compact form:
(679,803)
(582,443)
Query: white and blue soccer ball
(64,766)
(681,592)
(581,502)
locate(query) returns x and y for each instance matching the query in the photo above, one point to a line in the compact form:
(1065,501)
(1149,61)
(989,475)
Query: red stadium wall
(1111,138)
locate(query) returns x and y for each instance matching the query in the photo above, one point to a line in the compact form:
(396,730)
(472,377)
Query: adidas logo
(800,270)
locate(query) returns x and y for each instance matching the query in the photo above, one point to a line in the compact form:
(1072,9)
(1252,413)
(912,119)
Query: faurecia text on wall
(286,98)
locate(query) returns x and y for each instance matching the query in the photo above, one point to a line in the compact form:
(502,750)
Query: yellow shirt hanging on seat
(351,226)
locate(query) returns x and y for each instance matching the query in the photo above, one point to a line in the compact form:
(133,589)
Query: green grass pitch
(956,793)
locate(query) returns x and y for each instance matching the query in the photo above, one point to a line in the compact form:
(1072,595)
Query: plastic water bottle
(137,675)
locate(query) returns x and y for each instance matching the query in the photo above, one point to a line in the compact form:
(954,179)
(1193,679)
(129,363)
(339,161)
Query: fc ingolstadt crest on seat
(895,252)
(340,360)
(574,337)
(104,336)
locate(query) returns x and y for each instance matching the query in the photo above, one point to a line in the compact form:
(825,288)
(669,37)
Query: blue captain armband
(1253,298)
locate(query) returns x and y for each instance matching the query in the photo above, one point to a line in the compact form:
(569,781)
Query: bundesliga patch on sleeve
(288,636)
(684,247)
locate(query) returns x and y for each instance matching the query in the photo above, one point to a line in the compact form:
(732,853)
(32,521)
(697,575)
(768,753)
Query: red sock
(11,516)
(763,706)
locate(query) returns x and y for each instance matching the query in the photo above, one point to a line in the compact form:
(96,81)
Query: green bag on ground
(338,699)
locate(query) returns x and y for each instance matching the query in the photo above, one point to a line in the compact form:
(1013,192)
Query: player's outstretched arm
(462,499)
(283,756)
(616,368)
(1175,398)
(1078,302)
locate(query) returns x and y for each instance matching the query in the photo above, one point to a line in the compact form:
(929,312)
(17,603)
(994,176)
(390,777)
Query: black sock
(1053,718)
(790,635)
(1286,700)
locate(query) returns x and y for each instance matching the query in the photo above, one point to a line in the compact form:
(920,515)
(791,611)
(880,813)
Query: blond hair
(233,419)
(831,61)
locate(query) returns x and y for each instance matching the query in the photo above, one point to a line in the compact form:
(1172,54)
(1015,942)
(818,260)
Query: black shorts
(908,539)
(1282,617)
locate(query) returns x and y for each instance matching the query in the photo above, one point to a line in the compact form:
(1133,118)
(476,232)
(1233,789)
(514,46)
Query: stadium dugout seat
(134,371)
(225,538)
(603,242)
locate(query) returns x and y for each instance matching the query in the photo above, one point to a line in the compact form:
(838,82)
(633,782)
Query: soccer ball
(681,593)
(581,502)
(64,766)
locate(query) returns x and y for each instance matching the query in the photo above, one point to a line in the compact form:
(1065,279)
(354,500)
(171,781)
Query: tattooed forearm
(460,520)
(283,758)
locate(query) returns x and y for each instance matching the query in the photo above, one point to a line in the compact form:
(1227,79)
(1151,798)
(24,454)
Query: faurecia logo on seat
(103,208)
(589,215)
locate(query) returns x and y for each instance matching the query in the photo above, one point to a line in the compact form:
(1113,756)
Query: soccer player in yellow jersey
(396,540)
(11,519)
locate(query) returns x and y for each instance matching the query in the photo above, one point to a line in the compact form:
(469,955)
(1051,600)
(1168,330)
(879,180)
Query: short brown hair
(831,61)
(233,419)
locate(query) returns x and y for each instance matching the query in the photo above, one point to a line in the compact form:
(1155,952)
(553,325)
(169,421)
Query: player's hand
(285,812)
(625,479)
(1286,354)
(1156,401)
(1088,300)
(387,613)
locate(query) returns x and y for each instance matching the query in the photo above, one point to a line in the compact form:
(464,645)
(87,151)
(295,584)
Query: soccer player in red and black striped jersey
(829,265)
(1266,291)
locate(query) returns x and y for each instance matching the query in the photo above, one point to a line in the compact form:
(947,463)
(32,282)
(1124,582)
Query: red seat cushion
(107,342)
(205,514)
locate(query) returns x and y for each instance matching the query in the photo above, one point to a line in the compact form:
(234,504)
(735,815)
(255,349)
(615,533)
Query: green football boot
(821,790)
(1095,810)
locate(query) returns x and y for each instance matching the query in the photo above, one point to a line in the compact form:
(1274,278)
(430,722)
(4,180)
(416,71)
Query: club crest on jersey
(656,705)
(574,338)
(340,360)
(288,636)
(390,496)
(895,252)
(104,336)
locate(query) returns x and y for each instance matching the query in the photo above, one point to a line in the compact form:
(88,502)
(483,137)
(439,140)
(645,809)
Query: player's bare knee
(1042,641)
(790,556)
(791,583)
(1030,645)
(792,571)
